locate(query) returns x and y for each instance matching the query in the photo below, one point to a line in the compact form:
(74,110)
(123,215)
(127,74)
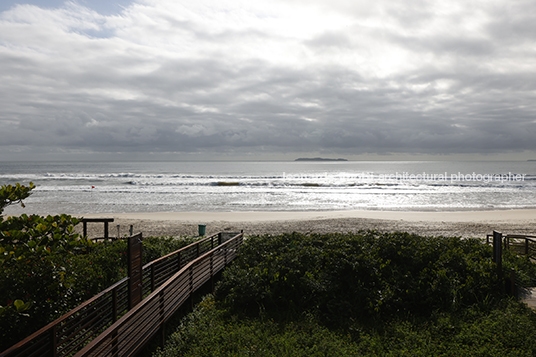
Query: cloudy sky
(267,79)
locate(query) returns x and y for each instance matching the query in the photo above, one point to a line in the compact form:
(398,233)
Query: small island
(318,159)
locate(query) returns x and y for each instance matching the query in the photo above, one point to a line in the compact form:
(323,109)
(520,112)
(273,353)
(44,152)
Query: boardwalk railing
(69,333)
(130,333)
(519,243)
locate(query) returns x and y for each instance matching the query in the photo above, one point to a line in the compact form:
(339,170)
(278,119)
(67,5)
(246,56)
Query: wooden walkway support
(172,279)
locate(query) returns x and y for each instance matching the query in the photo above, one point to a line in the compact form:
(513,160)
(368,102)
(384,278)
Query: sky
(225,79)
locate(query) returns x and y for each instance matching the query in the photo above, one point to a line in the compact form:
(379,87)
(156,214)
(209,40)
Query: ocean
(121,187)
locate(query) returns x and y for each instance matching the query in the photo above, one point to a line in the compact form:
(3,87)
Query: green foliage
(35,254)
(364,294)
(369,275)
(508,330)
(18,306)
(102,266)
(10,194)
(30,237)
(208,331)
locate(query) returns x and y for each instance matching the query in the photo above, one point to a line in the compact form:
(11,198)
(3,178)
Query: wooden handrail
(18,348)
(175,252)
(527,241)
(50,340)
(130,333)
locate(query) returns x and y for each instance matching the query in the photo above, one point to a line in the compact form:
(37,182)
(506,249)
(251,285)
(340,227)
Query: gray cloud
(171,77)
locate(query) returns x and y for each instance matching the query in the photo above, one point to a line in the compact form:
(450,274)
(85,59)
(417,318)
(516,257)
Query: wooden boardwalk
(110,324)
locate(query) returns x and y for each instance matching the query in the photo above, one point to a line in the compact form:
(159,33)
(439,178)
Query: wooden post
(225,256)
(212,272)
(162,321)
(114,304)
(85,221)
(135,281)
(497,251)
(513,282)
(54,341)
(191,276)
(152,277)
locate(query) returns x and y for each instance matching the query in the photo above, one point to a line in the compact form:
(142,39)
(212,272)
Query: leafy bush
(35,283)
(366,294)
(209,332)
(366,276)
(507,330)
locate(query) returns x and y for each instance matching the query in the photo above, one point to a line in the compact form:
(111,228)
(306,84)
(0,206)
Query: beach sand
(459,224)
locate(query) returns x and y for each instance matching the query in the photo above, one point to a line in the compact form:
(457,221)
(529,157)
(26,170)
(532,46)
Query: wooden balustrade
(188,265)
(131,332)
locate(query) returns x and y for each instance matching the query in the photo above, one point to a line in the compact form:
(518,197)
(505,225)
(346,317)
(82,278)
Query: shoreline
(449,223)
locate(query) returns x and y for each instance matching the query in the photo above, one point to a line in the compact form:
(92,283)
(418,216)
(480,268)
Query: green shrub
(35,256)
(364,294)
(507,330)
(364,276)
(209,331)
(36,282)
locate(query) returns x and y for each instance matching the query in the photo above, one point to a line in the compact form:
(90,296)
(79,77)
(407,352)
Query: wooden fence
(132,331)
(519,243)
(68,334)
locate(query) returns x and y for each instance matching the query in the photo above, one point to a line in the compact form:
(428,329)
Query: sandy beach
(461,223)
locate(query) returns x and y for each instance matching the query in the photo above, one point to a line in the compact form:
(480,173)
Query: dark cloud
(222,79)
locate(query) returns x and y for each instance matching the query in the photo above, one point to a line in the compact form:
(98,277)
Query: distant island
(318,159)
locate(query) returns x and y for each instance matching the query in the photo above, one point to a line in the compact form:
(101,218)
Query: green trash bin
(202,228)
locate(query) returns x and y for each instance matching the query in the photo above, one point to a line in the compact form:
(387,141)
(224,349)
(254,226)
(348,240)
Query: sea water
(115,187)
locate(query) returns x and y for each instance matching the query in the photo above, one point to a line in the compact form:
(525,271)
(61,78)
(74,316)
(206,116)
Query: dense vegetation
(368,293)
(47,269)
